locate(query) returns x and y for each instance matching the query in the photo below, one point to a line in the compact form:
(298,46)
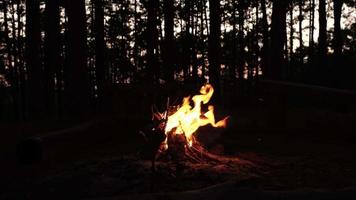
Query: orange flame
(187,119)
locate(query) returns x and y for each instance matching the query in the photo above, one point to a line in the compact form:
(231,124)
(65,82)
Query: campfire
(174,135)
(187,119)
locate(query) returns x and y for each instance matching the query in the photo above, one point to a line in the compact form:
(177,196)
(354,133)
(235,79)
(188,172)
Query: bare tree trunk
(136,50)
(241,60)
(300,19)
(52,52)
(193,45)
(186,41)
(35,73)
(202,37)
(16,76)
(152,37)
(322,32)
(311,30)
(215,47)
(291,36)
(8,42)
(100,69)
(278,38)
(169,46)
(337,28)
(265,40)
(234,43)
(256,48)
(76,81)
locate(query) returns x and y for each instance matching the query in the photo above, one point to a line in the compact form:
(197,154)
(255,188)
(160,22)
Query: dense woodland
(59,57)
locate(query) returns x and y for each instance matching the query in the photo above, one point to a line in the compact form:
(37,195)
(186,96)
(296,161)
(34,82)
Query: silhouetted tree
(76,77)
(265,39)
(52,52)
(7,39)
(152,41)
(300,19)
(337,28)
(322,32)
(311,30)
(234,42)
(214,46)
(278,37)
(100,50)
(241,42)
(291,34)
(169,46)
(33,62)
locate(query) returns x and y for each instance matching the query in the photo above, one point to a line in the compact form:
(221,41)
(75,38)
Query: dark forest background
(62,58)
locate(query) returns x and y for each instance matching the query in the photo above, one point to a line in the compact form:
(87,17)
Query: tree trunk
(311,31)
(300,17)
(186,45)
(278,38)
(214,47)
(256,47)
(169,47)
(265,40)
(291,36)
(76,83)
(35,73)
(7,41)
(234,43)
(136,47)
(337,28)
(152,37)
(202,36)
(52,52)
(100,69)
(241,60)
(193,52)
(322,32)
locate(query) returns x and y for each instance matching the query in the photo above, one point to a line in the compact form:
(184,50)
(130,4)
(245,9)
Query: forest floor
(297,140)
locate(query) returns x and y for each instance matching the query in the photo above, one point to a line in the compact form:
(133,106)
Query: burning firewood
(172,136)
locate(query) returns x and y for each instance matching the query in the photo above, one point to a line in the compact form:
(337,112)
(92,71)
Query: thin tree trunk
(241,61)
(322,32)
(52,52)
(100,69)
(265,40)
(337,28)
(202,36)
(291,36)
(135,51)
(35,73)
(215,47)
(152,37)
(16,71)
(311,31)
(169,47)
(19,29)
(234,43)
(193,46)
(20,64)
(255,43)
(7,41)
(186,45)
(300,18)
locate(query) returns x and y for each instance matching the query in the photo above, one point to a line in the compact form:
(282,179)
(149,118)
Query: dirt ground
(296,141)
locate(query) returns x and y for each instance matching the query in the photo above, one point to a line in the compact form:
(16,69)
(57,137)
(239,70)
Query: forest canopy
(64,53)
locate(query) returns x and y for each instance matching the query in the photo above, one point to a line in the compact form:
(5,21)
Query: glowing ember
(187,119)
